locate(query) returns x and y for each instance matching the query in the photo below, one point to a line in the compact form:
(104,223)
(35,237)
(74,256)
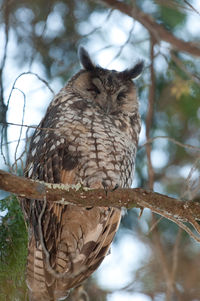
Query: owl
(89,135)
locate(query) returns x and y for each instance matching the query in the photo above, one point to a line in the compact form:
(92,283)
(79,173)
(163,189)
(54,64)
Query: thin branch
(192,185)
(24,125)
(173,268)
(165,266)
(39,38)
(26,73)
(177,219)
(184,145)
(110,12)
(192,7)
(6,19)
(13,141)
(154,225)
(20,134)
(124,45)
(156,30)
(3,107)
(180,64)
(149,118)
(175,255)
(184,227)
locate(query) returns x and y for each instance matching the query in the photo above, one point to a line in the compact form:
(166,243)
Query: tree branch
(83,196)
(156,30)
(170,208)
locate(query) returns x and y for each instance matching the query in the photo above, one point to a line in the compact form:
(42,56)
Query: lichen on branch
(178,211)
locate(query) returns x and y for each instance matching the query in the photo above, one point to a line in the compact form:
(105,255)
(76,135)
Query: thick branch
(156,30)
(78,195)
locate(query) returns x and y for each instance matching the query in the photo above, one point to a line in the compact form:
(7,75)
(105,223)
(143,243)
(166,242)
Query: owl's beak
(105,103)
(108,105)
(108,108)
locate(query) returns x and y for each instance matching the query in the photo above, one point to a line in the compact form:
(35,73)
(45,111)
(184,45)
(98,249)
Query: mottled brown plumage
(89,135)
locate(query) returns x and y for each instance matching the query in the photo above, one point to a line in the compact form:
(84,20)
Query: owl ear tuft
(134,72)
(85,59)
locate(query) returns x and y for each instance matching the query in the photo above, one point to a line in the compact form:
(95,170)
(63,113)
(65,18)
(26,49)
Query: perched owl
(89,135)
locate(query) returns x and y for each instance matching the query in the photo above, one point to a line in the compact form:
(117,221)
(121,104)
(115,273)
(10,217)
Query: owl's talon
(106,191)
(141,211)
(116,187)
(105,187)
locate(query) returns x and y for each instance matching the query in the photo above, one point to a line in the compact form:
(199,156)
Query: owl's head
(112,91)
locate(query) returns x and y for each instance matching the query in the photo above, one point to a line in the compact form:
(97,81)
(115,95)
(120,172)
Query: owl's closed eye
(112,91)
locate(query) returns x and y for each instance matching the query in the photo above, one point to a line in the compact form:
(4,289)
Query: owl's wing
(76,239)
(50,164)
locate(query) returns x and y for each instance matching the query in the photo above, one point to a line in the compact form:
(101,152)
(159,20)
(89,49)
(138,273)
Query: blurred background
(151,258)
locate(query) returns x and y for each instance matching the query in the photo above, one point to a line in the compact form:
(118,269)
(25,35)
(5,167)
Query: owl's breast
(106,152)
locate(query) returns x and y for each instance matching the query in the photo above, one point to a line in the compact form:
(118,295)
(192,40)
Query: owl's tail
(80,249)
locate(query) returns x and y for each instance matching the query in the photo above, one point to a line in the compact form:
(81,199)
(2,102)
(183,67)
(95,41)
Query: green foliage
(13,251)
(171,17)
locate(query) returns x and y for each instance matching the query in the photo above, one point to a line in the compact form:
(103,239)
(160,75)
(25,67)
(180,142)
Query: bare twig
(158,249)
(101,26)
(172,274)
(6,20)
(153,226)
(180,64)
(184,145)
(123,46)
(192,7)
(149,118)
(192,186)
(38,38)
(3,107)
(175,254)
(3,119)
(25,125)
(173,217)
(20,134)
(26,73)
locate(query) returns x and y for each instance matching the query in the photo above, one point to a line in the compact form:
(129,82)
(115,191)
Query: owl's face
(113,92)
